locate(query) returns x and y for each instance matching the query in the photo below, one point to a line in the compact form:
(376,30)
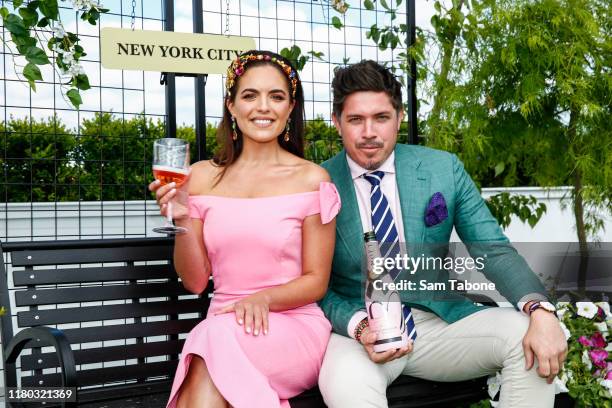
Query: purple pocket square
(436,210)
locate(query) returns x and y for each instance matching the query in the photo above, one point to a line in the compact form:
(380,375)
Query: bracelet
(360,328)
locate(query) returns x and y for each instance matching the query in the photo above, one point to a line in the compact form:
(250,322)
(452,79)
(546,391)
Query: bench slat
(94,274)
(106,375)
(48,296)
(125,331)
(91,255)
(105,354)
(109,312)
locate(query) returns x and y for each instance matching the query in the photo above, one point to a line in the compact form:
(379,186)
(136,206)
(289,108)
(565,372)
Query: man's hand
(367,340)
(546,341)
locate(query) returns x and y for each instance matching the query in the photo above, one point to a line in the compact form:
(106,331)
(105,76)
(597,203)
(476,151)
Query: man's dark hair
(366,75)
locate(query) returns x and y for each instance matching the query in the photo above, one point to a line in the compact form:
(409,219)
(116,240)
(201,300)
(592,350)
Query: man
(454,340)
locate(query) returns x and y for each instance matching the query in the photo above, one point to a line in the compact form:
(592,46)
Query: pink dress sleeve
(328,204)
(195,207)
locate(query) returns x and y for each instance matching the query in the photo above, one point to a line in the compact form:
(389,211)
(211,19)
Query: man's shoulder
(426,156)
(335,162)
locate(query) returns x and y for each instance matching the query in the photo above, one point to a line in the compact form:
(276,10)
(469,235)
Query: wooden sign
(167,51)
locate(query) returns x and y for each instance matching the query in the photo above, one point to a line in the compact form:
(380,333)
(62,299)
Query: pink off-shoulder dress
(254,244)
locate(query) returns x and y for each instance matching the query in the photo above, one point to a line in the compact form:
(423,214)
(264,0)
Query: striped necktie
(387,235)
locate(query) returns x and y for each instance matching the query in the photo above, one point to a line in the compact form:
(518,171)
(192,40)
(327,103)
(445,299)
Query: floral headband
(237,68)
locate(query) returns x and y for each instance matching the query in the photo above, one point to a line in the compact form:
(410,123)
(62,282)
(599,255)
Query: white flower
(76,69)
(56,48)
(566,331)
(85,4)
(494,383)
(560,386)
(607,384)
(68,57)
(586,360)
(602,327)
(494,403)
(561,313)
(586,309)
(58,31)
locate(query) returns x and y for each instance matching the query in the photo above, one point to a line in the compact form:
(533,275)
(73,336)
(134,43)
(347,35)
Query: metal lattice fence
(69,174)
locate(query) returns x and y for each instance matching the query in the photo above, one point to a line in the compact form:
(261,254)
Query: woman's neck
(254,153)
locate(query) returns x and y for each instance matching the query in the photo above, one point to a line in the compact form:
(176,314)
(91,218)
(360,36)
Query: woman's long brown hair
(230,149)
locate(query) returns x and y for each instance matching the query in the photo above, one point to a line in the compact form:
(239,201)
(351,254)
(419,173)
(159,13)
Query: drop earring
(287,134)
(234,133)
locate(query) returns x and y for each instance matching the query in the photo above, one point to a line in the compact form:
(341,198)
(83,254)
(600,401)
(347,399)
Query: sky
(279,24)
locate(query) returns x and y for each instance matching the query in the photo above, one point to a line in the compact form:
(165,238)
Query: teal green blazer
(420,173)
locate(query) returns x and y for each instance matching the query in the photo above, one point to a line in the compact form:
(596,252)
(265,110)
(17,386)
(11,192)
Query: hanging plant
(35,26)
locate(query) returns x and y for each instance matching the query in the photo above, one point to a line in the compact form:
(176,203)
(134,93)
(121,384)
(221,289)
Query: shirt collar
(357,171)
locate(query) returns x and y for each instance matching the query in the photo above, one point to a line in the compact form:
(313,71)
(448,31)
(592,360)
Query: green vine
(37,24)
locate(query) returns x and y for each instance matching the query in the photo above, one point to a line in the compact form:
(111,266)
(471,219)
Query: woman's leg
(198,389)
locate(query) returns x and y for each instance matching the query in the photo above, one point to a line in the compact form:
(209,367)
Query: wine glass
(170,164)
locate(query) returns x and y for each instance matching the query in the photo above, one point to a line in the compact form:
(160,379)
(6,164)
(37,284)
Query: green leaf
(499,168)
(51,43)
(317,54)
(368,4)
(30,17)
(4,12)
(44,22)
(33,4)
(23,41)
(15,25)
(37,56)
(81,82)
(49,8)
(32,73)
(75,97)
(336,22)
(17,3)
(384,4)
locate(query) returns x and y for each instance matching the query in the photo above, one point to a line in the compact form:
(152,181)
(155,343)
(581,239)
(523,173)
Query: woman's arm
(190,256)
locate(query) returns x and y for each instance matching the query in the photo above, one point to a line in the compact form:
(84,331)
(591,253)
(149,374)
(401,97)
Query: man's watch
(549,307)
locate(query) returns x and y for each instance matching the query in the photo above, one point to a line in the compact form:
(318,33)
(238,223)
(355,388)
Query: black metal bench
(109,318)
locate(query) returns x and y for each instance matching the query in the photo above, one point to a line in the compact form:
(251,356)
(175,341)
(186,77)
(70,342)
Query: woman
(260,218)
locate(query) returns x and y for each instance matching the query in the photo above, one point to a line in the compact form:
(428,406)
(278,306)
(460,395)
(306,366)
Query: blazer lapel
(413,186)
(348,223)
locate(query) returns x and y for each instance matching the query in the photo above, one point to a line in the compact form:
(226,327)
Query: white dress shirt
(388,186)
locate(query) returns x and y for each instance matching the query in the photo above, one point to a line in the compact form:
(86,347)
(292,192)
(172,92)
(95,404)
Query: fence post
(170,81)
(200,87)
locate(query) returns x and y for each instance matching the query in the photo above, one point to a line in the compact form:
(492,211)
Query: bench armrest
(62,348)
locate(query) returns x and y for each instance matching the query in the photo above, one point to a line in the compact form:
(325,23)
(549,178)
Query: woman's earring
(234,133)
(287,130)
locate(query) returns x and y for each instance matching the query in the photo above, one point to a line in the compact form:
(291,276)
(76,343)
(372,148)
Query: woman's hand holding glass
(252,312)
(170,167)
(179,196)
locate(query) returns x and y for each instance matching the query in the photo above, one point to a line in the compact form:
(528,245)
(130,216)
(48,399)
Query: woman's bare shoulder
(310,175)
(203,174)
